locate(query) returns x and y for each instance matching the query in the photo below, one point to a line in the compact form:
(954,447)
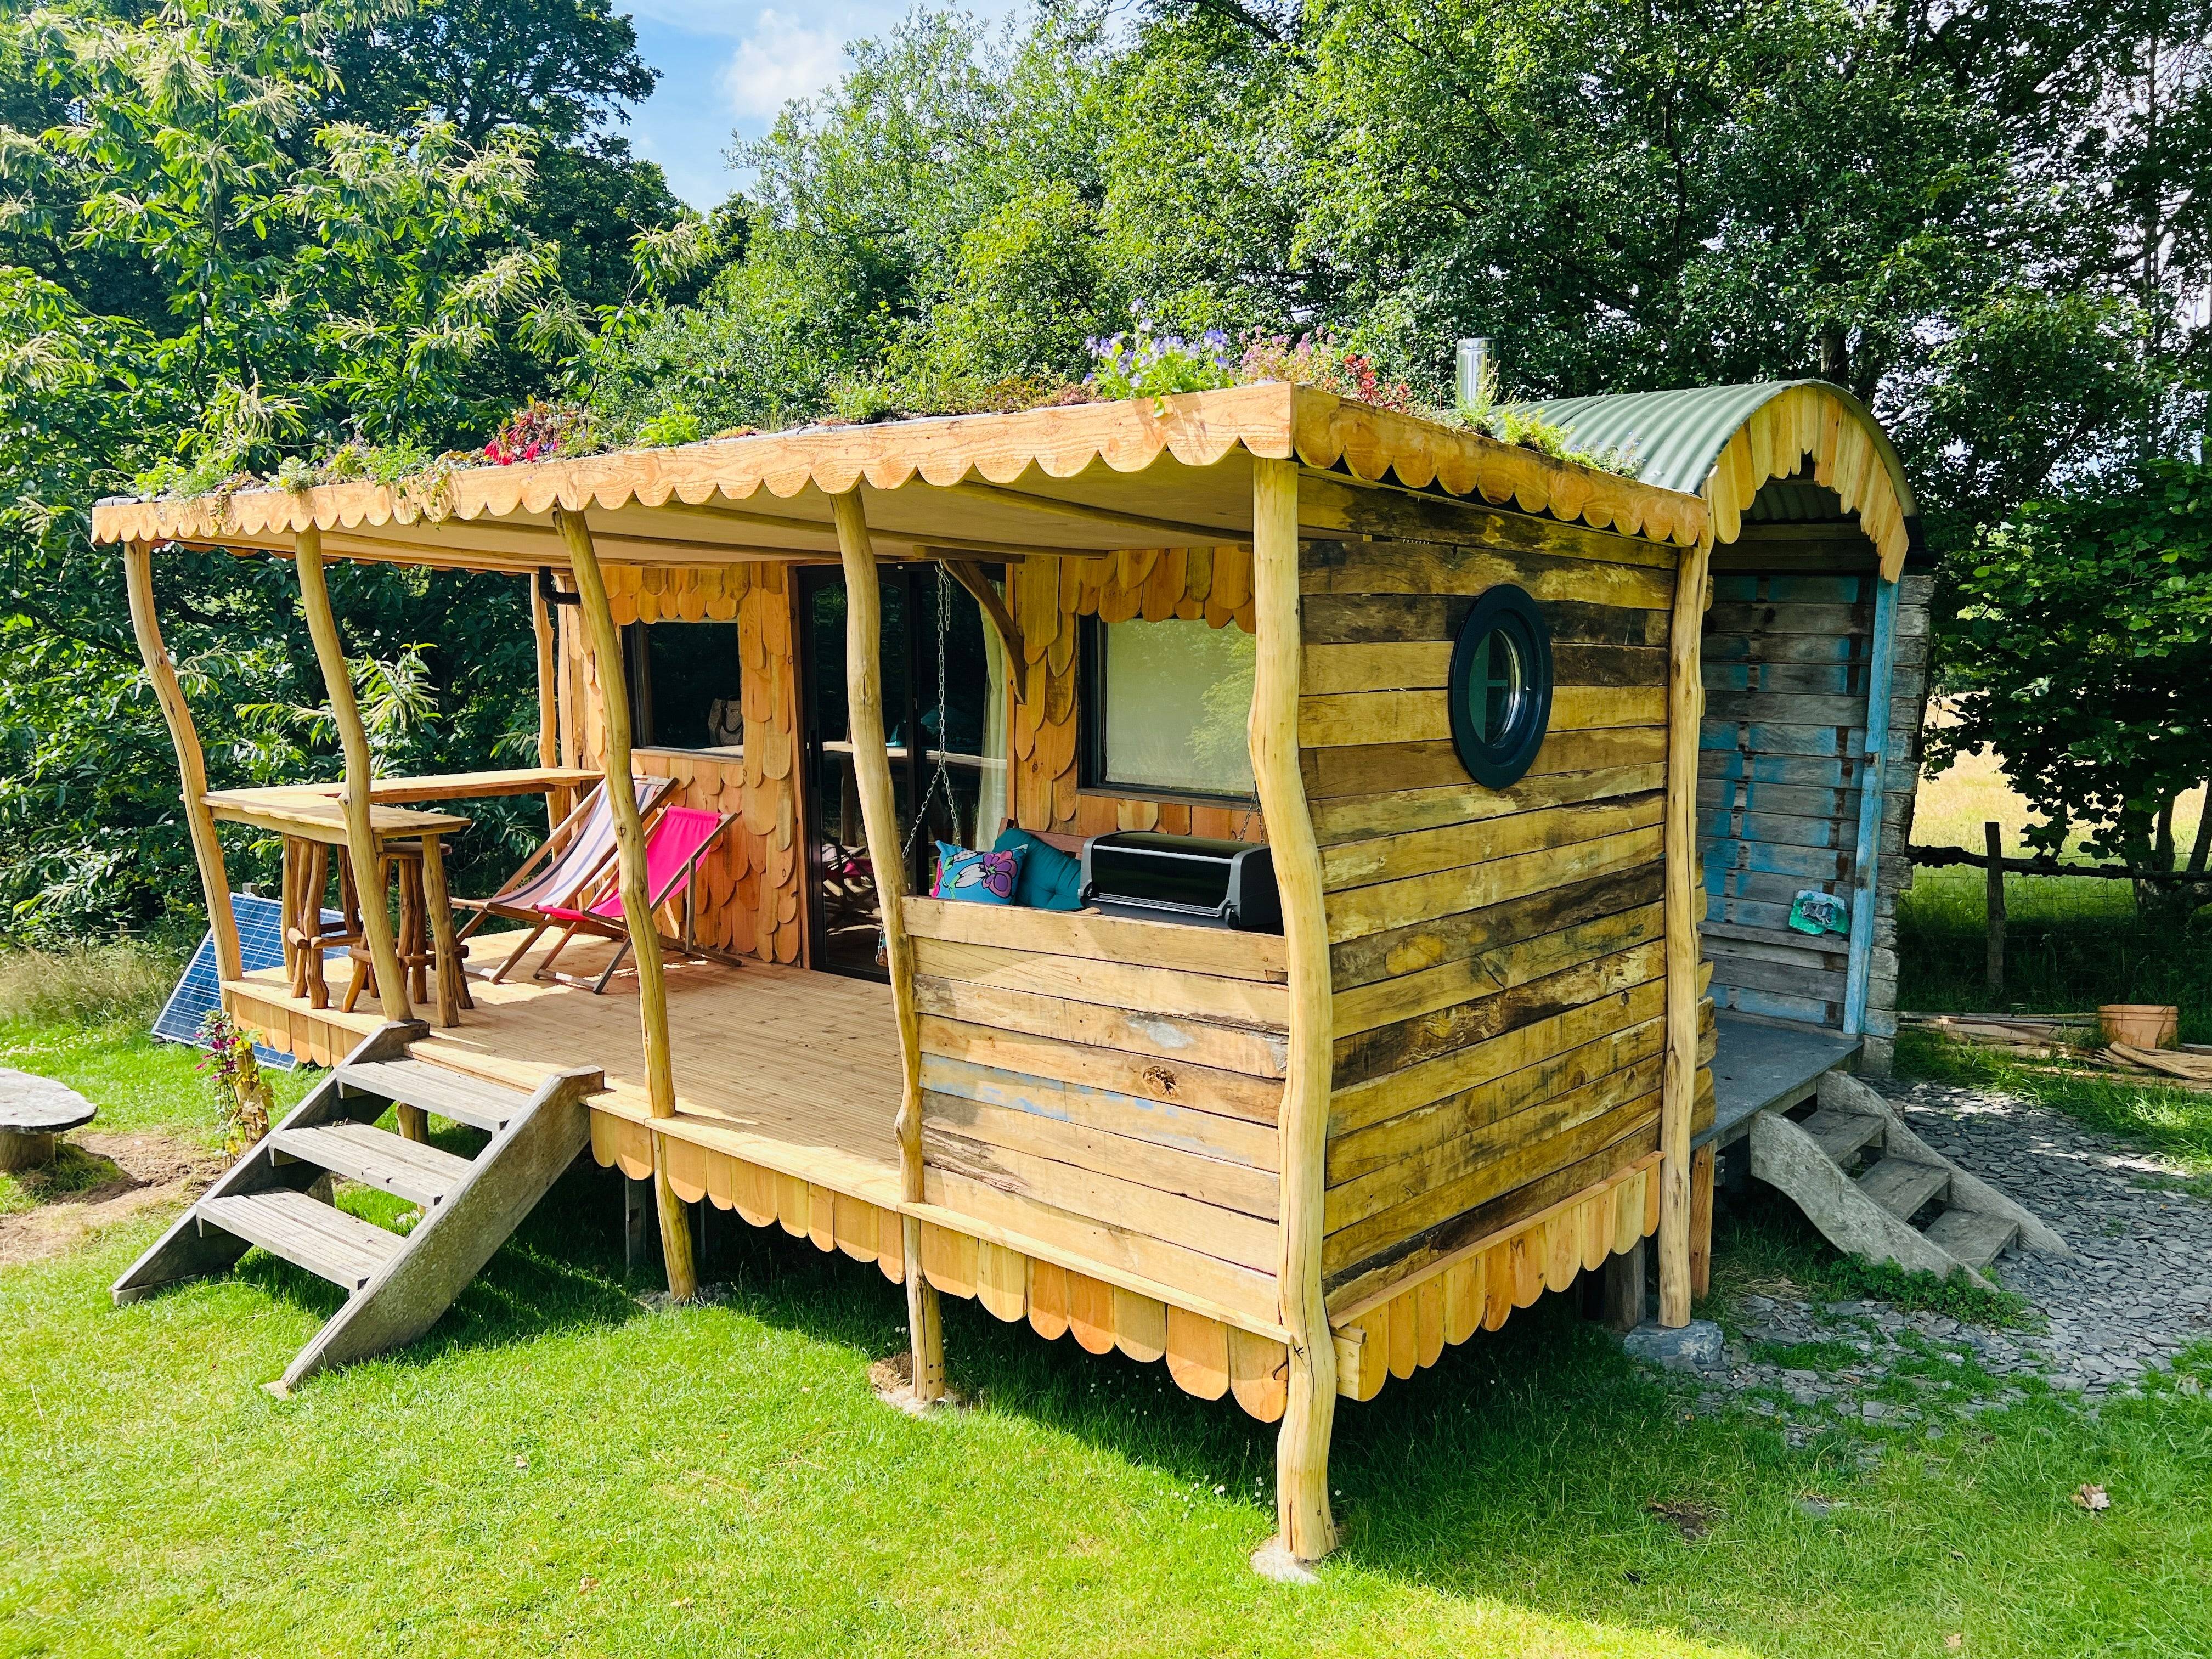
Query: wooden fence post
(354,796)
(191,766)
(636,897)
(1306,1528)
(1685,708)
(872,772)
(1993,839)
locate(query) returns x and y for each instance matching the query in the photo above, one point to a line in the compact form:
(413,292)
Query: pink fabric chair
(562,871)
(678,839)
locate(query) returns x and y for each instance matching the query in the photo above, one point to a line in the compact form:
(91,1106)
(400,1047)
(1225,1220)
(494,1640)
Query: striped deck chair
(562,871)
(678,839)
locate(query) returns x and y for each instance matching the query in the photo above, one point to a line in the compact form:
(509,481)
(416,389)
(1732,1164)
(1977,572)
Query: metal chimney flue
(1474,368)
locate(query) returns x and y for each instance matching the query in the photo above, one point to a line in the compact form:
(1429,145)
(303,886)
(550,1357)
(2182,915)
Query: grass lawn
(556,1468)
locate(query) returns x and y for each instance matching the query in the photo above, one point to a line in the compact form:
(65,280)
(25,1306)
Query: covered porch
(796,1072)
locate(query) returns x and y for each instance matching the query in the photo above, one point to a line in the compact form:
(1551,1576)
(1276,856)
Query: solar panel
(260,944)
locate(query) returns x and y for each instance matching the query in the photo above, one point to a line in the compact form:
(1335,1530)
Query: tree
(2084,634)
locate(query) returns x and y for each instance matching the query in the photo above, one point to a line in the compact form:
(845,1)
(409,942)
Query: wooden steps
(377,1158)
(480,1104)
(306,1233)
(1870,1212)
(396,1285)
(1904,1187)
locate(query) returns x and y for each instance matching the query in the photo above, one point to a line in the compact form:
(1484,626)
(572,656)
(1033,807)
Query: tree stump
(33,1111)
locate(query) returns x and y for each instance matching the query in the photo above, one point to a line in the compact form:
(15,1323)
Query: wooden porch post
(354,796)
(1686,709)
(872,768)
(549,697)
(191,767)
(636,897)
(1307,1531)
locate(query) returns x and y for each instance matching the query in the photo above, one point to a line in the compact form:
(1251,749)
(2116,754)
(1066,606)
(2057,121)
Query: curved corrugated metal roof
(1677,434)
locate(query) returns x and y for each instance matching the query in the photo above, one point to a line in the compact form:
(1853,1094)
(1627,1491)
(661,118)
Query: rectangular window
(1165,707)
(685,688)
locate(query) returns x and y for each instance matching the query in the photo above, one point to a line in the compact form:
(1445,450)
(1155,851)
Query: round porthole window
(1501,687)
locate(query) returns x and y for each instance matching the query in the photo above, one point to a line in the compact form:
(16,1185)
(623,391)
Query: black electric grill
(1151,877)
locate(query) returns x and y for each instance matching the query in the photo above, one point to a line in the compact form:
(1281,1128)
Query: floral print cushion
(976,877)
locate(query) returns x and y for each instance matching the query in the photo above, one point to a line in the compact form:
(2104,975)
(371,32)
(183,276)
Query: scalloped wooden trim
(1848,455)
(1270,422)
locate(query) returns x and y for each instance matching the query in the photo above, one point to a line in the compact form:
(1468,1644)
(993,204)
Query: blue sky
(727,66)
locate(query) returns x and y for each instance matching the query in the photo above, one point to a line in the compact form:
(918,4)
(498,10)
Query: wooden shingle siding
(1498,956)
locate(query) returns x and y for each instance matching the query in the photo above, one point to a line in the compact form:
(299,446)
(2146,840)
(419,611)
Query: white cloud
(781,59)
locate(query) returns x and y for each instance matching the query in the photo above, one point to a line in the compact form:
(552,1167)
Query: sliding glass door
(944,681)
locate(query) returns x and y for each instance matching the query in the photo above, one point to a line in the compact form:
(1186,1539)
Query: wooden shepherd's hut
(1459,692)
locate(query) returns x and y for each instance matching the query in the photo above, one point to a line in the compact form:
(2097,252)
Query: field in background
(2072,942)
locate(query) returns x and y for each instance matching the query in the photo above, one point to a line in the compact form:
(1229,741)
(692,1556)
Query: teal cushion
(977,878)
(1051,879)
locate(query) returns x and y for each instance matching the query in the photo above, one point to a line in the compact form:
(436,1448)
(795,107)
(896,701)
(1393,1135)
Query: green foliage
(2084,637)
(1142,364)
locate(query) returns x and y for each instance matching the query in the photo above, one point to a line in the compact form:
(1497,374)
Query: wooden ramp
(396,1285)
(1876,1189)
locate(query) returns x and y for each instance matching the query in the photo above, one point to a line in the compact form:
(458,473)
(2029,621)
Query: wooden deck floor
(795,1070)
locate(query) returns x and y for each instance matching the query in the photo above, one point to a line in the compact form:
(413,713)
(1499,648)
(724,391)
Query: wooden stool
(424,941)
(306,935)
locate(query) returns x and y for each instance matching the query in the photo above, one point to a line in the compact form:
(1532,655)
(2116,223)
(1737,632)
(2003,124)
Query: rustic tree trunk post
(549,697)
(192,767)
(1685,708)
(354,797)
(637,899)
(1993,840)
(1701,1220)
(1306,1528)
(872,771)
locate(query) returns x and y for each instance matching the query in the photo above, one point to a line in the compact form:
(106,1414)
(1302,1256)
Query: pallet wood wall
(1110,1086)
(1787,659)
(749,892)
(1498,957)
(1047,598)
(1787,656)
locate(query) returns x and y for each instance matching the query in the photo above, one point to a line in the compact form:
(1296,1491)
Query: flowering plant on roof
(1142,364)
(538,431)
(1317,361)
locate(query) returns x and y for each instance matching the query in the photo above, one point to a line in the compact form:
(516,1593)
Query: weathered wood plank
(1472,978)
(1228,1047)
(1363,818)
(1185,1128)
(1111,1071)
(1348,718)
(1454,847)
(1428,567)
(1137,990)
(1435,941)
(1405,1043)
(1391,904)
(1093,938)
(1212,1181)
(1378,1099)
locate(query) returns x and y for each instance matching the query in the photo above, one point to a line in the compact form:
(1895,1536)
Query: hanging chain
(942,775)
